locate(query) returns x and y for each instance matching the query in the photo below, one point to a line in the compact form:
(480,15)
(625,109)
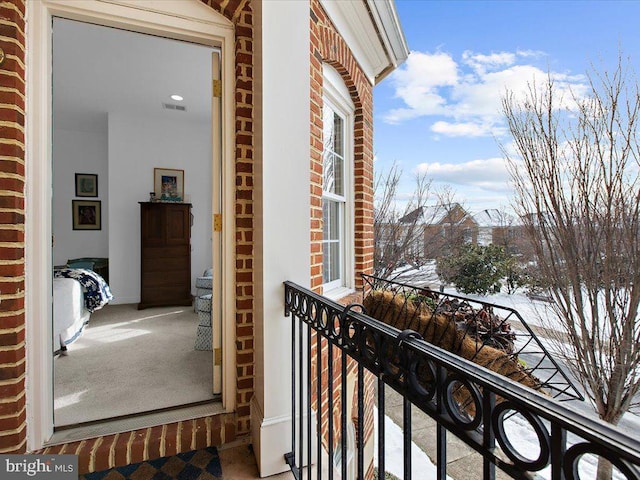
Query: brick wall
(327,46)
(121,449)
(148,443)
(12,212)
(244,215)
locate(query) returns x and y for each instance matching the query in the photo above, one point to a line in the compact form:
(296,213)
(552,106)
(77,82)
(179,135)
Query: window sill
(338,293)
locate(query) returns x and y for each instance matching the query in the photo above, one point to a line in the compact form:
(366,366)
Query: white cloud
(470,92)
(531,53)
(487,174)
(468,129)
(418,82)
(481,63)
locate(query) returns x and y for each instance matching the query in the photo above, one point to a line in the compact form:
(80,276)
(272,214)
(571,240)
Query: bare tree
(448,225)
(578,191)
(397,228)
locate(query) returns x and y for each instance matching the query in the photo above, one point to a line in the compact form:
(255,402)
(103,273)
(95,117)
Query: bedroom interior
(113,129)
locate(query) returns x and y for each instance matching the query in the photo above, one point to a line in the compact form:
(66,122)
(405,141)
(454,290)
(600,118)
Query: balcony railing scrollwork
(467,400)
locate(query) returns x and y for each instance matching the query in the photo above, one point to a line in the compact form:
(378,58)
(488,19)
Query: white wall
(78,152)
(136,146)
(282,214)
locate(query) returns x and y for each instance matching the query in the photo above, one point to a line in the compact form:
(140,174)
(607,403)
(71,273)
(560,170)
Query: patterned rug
(195,465)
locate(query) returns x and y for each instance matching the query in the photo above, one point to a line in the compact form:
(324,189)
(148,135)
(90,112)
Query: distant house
(443,227)
(500,228)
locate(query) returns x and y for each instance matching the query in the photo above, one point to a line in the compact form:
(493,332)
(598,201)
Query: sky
(440,111)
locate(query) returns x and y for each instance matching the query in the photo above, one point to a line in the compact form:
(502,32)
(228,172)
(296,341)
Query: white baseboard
(118,300)
(272,440)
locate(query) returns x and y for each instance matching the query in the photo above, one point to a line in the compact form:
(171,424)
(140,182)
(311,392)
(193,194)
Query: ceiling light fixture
(177,98)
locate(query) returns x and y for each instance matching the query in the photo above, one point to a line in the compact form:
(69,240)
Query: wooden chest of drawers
(165,277)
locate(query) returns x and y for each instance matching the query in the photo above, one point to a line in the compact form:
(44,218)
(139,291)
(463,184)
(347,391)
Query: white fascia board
(386,17)
(354,24)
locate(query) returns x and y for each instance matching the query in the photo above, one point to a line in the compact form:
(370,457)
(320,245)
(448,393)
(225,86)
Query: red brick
(84,455)
(153,443)
(200,428)
(170,440)
(11,321)
(13,423)
(11,356)
(12,408)
(10,339)
(11,150)
(121,449)
(7,373)
(12,442)
(103,452)
(11,236)
(230,429)
(185,435)
(137,446)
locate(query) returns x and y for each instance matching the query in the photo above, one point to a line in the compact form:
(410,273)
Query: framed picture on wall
(87,214)
(86,185)
(168,184)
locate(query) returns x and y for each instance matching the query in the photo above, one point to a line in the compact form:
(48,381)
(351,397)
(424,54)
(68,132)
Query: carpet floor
(195,465)
(130,361)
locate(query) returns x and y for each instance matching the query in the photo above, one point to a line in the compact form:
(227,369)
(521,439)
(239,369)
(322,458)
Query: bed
(76,294)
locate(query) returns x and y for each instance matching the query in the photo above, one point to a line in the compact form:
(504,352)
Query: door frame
(190,21)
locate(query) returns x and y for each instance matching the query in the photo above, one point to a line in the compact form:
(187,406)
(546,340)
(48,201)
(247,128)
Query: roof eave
(372,30)
(386,17)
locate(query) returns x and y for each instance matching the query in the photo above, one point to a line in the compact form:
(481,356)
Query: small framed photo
(86,185)
(168,184)
(87,214)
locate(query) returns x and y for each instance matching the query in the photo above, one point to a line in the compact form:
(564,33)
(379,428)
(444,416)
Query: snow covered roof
(492,217)
(436,214)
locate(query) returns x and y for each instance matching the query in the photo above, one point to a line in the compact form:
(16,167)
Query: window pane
(333,153)
(331,218)
(338,135)
(328,124)
(328,171)
(338,166)
(331,240)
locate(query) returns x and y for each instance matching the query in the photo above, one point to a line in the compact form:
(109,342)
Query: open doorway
(115,124)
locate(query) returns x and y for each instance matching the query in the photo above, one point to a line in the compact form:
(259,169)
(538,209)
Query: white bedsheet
(69,312)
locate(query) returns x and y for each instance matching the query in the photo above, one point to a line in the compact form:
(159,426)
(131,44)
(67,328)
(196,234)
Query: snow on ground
(518,430)
(534,312)
(520,433)
(421,466)
(524,440)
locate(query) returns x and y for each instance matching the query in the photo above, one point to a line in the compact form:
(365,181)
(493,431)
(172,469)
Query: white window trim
(336,95)
(178,19)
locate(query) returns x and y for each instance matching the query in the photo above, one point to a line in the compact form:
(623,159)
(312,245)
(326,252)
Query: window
(337,190)
(351,450)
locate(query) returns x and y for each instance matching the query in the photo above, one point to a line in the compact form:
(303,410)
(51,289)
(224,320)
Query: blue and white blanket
(96,291)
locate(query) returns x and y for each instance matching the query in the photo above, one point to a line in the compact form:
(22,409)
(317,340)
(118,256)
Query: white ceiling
(98,70)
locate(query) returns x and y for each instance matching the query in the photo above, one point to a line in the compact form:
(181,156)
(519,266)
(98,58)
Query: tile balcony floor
(239,463)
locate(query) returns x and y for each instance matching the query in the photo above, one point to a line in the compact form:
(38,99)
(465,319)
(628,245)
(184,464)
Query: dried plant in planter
(448,328)
(483,325)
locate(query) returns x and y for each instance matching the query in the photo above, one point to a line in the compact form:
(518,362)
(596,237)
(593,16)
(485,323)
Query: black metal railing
(438,383)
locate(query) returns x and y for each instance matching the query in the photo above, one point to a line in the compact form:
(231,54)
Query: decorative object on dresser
(168,184)
(165,276)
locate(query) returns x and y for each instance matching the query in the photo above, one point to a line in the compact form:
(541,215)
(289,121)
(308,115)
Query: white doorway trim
(178,19)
